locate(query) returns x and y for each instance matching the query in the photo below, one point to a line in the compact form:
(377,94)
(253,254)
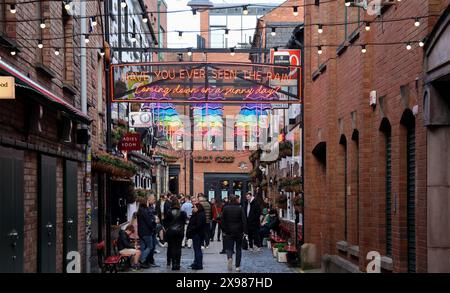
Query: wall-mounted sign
(280,106)
(130,142)
(286,57)
(140,119)
(7,88)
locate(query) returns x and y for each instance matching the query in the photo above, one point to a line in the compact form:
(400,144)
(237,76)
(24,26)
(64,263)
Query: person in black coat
(253,214)
(175,234)
(163,209)
(146,226)
(234,226)
(195,231)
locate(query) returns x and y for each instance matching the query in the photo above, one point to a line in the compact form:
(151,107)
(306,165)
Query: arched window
(409,124)
(385,127)
(343,143)
(355,139)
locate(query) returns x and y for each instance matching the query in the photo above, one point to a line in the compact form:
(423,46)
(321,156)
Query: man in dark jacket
(253,214)
(233,227)
(127,248)
(146,226)
(208,214)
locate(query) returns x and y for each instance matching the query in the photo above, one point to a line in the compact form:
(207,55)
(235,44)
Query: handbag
(244,243)
(218,215)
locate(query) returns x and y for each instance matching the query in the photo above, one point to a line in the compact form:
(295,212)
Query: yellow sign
(7,88)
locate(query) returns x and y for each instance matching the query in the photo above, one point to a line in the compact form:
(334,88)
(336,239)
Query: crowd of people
(179,221)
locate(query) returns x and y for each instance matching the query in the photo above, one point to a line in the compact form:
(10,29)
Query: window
(355,139)
(343,143)
(68,33)
(352,18)
(388,185)
(217,37)
(408,121)
(411,166)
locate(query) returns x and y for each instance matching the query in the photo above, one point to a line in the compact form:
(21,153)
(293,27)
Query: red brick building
(365,141)
(43,210)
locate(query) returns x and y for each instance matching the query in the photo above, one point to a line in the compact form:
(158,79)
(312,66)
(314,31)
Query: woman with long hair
(175,234)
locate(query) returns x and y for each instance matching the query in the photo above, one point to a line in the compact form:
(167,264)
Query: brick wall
(15,115)
(337,104)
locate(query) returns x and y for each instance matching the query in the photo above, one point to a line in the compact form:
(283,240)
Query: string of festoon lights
(233,50)
(320,29)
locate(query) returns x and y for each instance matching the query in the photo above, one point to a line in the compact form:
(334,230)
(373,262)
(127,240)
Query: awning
(25,82)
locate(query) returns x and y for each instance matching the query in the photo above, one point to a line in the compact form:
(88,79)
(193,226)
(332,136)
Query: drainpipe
(84,109)
(159,30)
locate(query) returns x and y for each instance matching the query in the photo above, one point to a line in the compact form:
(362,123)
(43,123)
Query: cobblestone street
(213,262)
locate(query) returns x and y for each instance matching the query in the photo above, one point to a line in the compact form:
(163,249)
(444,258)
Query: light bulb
(295,11)
(245,10)
(273,33)
(189,53)
(12,8)
(40,45)
(42,25)
(320,29)
(417,23)
(408,46)
(363,49)
(123,4)
(57,52)
(13,53)
(94,21)
(367,26)
(319,50)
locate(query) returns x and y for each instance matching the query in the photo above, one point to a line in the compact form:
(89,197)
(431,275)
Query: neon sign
(184,82)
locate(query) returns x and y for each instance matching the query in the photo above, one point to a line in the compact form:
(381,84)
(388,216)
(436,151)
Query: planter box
(282,256)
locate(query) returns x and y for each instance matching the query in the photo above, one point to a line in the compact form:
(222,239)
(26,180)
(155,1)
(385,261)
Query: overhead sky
(185,21)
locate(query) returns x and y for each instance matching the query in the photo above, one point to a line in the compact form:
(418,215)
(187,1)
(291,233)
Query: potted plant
(282,255)
(298,203)
(282,201)
(276,247)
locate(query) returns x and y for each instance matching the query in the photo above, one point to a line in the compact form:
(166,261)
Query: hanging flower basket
(168,158)
(115,166)
(282,201)
(255,155)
